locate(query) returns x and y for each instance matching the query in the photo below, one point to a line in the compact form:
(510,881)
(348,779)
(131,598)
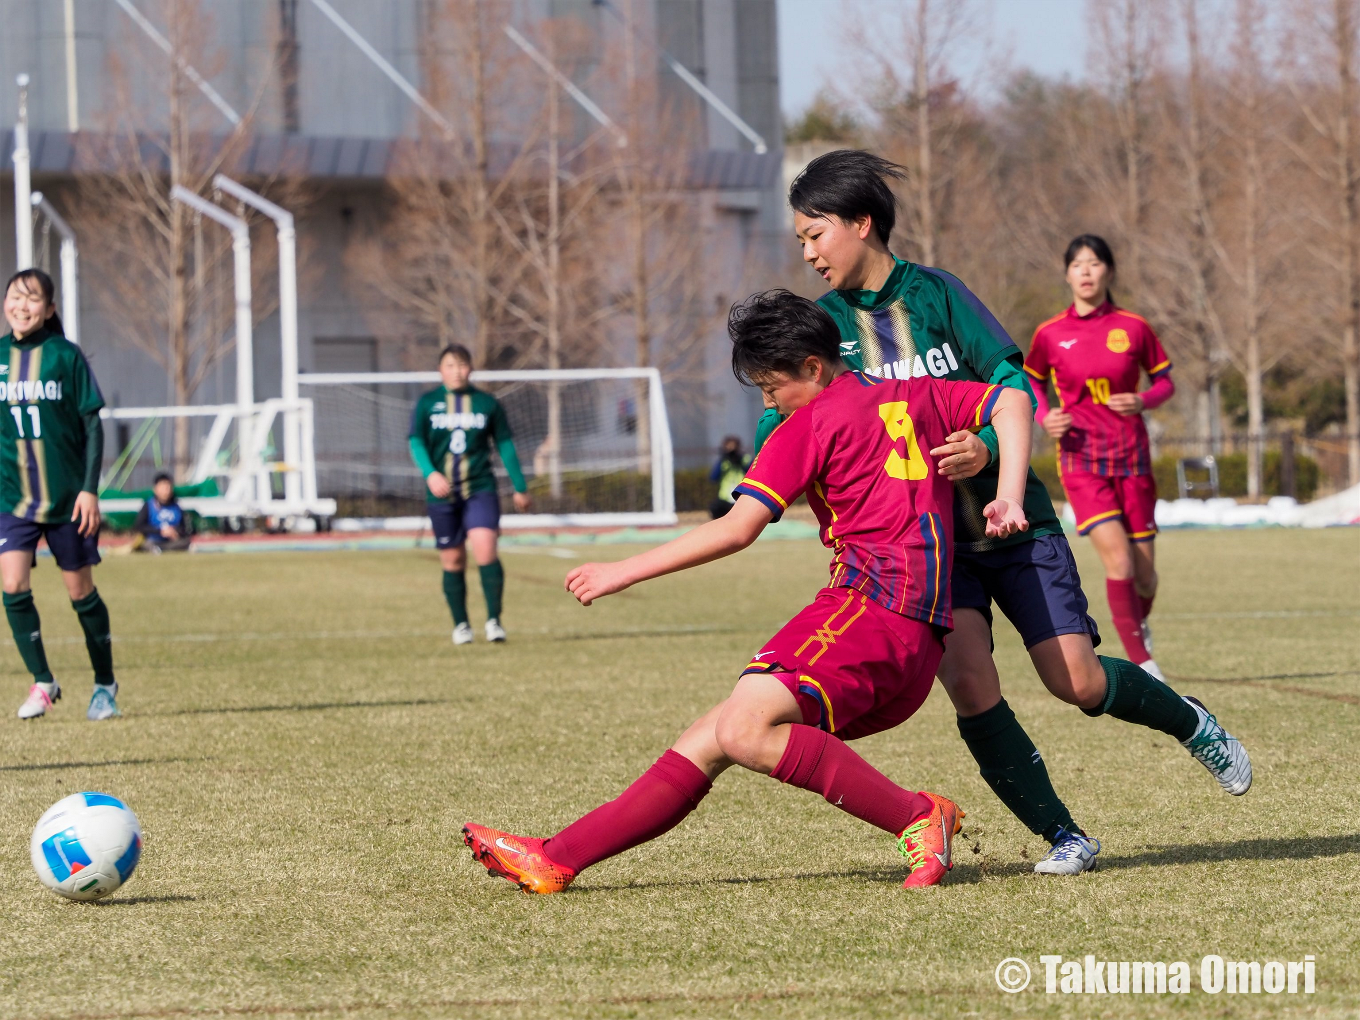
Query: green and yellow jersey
(925,322)
(51,440)
(452,432)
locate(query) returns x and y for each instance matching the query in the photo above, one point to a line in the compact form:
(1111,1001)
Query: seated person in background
(728,473)
(161,522)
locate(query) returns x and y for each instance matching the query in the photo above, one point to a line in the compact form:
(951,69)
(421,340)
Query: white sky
(1047,36)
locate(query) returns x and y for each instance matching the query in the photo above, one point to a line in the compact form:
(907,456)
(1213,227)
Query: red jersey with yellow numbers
(1090,357)
(860,450)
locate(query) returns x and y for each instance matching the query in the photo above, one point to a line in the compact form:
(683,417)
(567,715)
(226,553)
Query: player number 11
(912,467)
(18,413)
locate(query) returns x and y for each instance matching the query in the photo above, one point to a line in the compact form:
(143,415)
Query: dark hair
(458,351)
(161,476)
(776,331)
(848,184)
(49,293)
(1099,248)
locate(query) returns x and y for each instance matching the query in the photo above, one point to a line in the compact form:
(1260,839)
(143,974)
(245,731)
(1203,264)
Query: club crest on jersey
(1118,341)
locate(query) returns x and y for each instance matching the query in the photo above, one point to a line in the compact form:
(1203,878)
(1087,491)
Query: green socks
(455,594)
(1137,697)
(493,587)
(1015,771)
(27,631)
(94,621)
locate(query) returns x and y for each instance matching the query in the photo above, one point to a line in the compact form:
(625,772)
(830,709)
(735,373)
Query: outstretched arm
(734,531)
(1011,418)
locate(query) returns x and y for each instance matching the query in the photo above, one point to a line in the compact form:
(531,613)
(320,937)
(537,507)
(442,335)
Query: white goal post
(594,456)
(245,472)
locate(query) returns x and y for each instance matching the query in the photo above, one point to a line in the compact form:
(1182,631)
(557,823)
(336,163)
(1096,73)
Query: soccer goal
(237,451)
(594,443)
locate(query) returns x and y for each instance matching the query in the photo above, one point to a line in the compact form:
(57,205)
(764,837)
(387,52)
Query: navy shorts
(451,521)
(69,547)
(1034,583)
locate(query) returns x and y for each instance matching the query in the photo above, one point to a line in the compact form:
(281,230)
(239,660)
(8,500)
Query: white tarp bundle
(1280,511)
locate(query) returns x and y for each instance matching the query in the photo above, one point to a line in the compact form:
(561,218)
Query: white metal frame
(70,268)
(248,490)
(663,452)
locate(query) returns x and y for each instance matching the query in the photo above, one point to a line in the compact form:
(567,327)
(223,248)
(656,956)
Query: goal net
(594,444)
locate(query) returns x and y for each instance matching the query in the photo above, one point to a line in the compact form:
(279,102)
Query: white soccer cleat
(1071,855)
(1219,752)
(1147,634)
(494,630)
(1151,669)
(103,703)
(39,701)
(462,634)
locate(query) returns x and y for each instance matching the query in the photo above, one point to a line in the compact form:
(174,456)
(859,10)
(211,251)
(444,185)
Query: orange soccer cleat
(518,859)
(927,842)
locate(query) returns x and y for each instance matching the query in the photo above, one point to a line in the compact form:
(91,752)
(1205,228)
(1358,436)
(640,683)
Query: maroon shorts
(1129,499)
(855,667)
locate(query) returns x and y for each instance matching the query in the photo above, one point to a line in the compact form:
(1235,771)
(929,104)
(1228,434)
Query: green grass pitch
(302,743)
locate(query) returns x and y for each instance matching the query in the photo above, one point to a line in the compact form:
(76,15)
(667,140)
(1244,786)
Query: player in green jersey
(51,451)
(452,429)
(898,319)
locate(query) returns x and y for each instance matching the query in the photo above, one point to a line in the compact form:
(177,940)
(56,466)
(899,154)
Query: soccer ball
(86,845)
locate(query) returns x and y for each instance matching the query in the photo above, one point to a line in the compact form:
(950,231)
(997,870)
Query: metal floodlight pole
(288,323)
(568,86)
(683,73)
(161,41)
(23,183)
(70,267)
(245,350)
(384,65)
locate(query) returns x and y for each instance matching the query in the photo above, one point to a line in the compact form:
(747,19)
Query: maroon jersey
(860,450)
(1088,358)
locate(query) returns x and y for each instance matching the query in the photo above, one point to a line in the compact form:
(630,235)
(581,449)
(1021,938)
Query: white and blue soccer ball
(86,845)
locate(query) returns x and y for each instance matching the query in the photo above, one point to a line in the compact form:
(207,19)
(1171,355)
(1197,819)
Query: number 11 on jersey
(33,415)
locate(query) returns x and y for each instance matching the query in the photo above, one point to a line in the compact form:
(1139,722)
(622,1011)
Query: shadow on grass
(1267,683)
(862,874)
(964,873)
(320,706)
(130,901)
(95,764)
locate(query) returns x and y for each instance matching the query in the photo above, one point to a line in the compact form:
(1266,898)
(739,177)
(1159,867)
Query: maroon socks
(817,761)
(1145,604)
(657,802)
(1126,606)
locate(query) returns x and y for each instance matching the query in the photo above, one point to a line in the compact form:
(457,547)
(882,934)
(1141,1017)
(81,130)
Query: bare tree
(1325,37)
(163,282)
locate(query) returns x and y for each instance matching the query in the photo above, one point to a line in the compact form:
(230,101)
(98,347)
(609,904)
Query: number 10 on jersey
(34,417)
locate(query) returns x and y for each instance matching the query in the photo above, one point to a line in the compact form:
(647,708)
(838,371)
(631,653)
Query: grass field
(302,744)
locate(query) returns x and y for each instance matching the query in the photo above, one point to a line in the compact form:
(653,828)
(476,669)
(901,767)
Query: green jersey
(452,432)
(51,441)
(925,322)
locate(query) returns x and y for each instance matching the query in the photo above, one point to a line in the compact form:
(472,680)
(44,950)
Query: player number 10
(18,413)
(913,466)
(1100,390)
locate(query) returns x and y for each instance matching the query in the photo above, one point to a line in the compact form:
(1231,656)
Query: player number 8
(913,466)
(458,442)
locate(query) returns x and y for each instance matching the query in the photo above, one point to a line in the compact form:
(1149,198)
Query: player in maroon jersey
(1095,354)
(861,659)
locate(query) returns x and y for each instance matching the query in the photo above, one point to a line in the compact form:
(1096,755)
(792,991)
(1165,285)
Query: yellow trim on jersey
(835,518)
(31,448)
(900,319)
(826,701)
(826,635)
(1036,375)
(870,350)
(1097,519)
(766,489)
(986,396)
(1157,368)
(939,568)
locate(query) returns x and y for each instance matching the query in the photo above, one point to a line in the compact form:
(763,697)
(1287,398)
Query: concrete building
(337,114)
